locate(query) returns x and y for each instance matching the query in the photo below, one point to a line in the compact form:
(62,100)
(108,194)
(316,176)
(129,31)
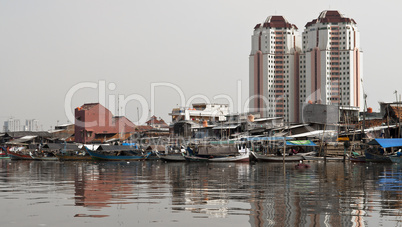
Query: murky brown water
(153,193)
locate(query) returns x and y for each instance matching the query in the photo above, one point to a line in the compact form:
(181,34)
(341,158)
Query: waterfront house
(94,121)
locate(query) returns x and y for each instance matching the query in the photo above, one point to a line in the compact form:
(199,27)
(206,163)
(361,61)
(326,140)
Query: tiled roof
(330,16)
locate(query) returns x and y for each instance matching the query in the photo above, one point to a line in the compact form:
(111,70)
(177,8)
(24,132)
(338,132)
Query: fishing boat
(172,154)
(155,150)
(292,156)
(396,158)
(99,156)
(326,158)
(218,152)
(377,150)
(44,158)
(117,153)
(74,154)
(376,157)
(19,155)
(276,158)
(172,157)
(356,157)
(314,156)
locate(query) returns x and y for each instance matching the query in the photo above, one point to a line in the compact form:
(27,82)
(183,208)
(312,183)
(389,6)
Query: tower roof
(276,22)
(330,16)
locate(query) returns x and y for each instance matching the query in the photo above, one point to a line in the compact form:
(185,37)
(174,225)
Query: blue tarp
(130,144)
(300,143)
(385,143)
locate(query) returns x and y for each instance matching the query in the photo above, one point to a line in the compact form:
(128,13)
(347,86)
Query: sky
(161,54)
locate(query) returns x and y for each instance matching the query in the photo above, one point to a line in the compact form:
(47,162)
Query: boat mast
(364,116)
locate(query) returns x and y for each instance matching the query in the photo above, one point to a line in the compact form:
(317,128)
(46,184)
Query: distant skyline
(200,47)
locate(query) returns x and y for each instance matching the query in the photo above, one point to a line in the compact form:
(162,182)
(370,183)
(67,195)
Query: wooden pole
(322,140)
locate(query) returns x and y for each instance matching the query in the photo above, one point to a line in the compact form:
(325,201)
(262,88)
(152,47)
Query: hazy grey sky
(202,47)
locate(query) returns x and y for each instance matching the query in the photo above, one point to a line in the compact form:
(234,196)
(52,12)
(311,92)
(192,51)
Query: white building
(32,125)
(12,125)
(331,65)
(200,112)
(274,69)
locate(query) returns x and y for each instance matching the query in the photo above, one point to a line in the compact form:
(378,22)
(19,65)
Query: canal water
(154,193)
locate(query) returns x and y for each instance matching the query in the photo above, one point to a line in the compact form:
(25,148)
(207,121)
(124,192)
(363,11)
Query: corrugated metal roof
(226,126)
(316,133)
(22,140)
(28,133)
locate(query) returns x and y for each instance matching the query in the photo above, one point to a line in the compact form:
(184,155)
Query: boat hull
(239,158)
(314,158)
(396,159)
(98,156)
(17,156)
(74,157)
(358,158)
(236,158)
(45,158)
(265,158)
(370,157)
(172,158)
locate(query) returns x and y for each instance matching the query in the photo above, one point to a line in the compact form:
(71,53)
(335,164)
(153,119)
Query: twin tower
(322,66)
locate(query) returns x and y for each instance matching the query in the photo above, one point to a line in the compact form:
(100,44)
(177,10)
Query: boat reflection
(261,194)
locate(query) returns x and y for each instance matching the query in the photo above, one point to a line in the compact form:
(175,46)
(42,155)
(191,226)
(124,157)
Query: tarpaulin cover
(217,150)
(220,142)
(300,143)
(385,143)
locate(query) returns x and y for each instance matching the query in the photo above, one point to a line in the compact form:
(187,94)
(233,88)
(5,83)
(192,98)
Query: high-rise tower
(274,69)
(332,61)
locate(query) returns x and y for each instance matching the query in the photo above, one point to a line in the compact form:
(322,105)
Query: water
(153,193)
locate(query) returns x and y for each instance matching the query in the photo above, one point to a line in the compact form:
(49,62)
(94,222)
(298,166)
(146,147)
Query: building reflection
(102,184)
(332,194)
(301,198)
(207,188)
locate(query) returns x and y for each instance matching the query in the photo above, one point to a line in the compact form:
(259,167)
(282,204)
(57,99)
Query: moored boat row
(379,150)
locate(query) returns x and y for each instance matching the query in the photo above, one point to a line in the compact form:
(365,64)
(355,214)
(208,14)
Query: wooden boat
(356,157)
(327,158)
(19,156)
(218,153)
(77,155)
(67,152)
(377,154)
(360,158)
(237,158)
(44,158)
(396,158)
(179,157)
(372,157)
(276,158)
(112,157)
(73,157)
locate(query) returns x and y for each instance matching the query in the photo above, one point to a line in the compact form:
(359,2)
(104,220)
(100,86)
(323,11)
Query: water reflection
(153,192)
